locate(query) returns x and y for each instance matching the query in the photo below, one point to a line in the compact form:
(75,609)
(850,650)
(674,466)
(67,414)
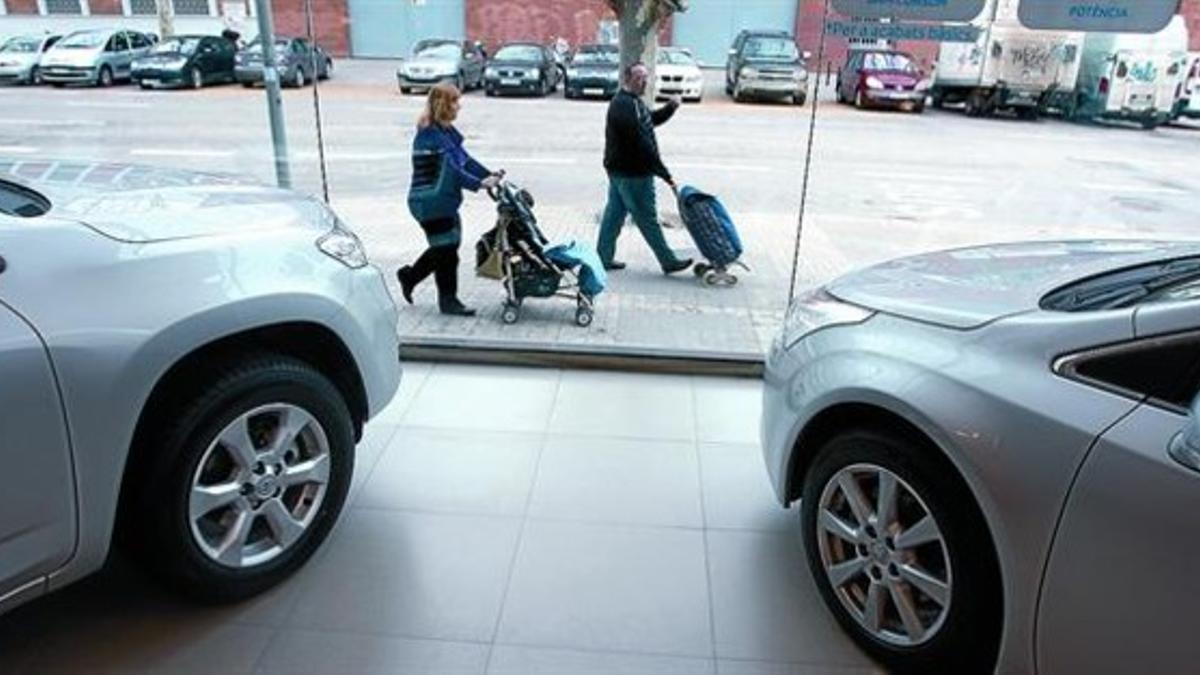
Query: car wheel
(105,77)
(405,90)
(460,82)
(35,75)
(799,99)
(298,80)
(901,555)
(243,480)
(860,101)
(738,94)
(328,72)
(197,79)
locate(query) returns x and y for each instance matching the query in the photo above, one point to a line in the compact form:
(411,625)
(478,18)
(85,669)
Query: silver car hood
(434,62)
(71,57)
(967,288)
(19,59)
(141,204)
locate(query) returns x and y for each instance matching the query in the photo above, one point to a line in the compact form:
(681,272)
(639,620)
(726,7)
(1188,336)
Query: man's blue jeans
(632,196)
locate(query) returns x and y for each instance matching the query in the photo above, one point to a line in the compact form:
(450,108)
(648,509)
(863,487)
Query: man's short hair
(629,68)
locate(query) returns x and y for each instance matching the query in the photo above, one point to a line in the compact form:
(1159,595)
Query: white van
(1189,104)
(1133,76)
(1009,67)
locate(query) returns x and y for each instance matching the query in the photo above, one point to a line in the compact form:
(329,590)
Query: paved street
(882,185)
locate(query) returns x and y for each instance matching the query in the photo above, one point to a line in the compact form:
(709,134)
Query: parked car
(99,57)
(186,61)
(522,68)
(21,58)
(297,61)
(438,60)
(882,78)
(993,449)
(593,70)
(210,424)
(766,63)
(678,74)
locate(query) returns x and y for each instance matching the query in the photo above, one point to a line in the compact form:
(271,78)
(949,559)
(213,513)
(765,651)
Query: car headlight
(612,76)
(491,72)
(818,309)
(341,244)
(799,75)
(571,72)
(874,83)
(749,72)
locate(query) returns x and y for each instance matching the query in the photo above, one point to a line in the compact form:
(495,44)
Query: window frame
(1068,366)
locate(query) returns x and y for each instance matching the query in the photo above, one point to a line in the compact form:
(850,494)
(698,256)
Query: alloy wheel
(197,79)
(884,555)
(259,486)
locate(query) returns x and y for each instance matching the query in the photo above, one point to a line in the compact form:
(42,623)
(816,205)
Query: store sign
(1113,16)
(916,32)
(916,10)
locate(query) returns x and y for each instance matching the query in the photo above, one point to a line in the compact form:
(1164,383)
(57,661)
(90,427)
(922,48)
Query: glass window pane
(191,7)
(142,7)
(63,7)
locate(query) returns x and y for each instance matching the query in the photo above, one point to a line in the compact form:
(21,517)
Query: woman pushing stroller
(442,168)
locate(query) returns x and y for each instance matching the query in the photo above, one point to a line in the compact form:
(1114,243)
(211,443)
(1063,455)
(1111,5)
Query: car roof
(521,44)
(597,47)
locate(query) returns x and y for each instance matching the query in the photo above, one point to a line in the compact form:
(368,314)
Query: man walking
(632,161)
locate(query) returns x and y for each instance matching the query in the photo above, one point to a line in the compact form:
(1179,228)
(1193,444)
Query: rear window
(21,202)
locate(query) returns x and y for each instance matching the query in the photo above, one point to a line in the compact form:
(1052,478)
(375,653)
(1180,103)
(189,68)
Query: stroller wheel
(700,269)
(583,317)
(511,314)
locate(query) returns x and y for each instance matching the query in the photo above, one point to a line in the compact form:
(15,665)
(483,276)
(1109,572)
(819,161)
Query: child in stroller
(516,253)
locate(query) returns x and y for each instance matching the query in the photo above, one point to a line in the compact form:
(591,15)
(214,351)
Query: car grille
(66,70)
(673,78)
(780,75)
(510,72)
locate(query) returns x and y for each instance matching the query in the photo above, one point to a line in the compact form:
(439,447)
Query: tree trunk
(166,18)
(639,21)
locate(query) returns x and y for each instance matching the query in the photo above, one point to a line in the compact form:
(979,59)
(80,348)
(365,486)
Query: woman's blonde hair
(439,106)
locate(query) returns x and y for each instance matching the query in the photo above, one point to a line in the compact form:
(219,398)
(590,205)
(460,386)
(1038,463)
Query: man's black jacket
(631,148)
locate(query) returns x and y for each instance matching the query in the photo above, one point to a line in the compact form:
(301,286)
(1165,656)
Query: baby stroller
(515,253)
(715,235)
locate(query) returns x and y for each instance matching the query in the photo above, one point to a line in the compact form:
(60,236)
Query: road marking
(53,123)
(17,149)
(1133,189)
(903,175)
(555,161)
(179,152)
(705,166)
(335,156)
(103,105)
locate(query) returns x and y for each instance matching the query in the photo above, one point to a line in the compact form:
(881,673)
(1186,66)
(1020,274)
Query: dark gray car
(766,64)
(297,61)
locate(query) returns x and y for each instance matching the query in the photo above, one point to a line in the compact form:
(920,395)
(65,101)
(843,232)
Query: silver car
(439,60)
(96,57)
(21,58)
(997,455)
(186,362)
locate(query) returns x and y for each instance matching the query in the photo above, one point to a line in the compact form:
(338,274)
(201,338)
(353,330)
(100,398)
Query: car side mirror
(1185,447)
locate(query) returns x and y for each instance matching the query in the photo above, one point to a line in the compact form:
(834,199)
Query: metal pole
(266,37)
(316,90)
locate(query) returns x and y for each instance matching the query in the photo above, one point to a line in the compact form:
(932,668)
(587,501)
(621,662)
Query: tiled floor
(503,521)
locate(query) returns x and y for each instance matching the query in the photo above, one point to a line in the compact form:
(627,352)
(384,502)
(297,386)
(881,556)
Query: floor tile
(765,605)
(312,653)
(536,661)
(476,397)
(411,383)
(728,409)
(609,588)
(625,405)
(376,437)
(766,668)
(471,472)
(414,575)
(737,492)
(625,481)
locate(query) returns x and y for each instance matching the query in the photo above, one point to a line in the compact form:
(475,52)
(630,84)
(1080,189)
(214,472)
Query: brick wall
(494,22)
(1190,9)
(331,22)
(21,6)
(105,7)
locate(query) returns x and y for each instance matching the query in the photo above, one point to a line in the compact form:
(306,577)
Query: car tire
(799,99)
(328,72)
(954,555)
(738,94)
(35,76)
(298,80)
(460,83)
(405,90)
(183,455)
(860,101)
(196,78)
(105,77)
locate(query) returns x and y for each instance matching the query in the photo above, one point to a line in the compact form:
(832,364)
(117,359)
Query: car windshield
(1125,288)
(895,62)
(280,45)
(445,50)
(675,58)
(519,53)
(771,48)
(597,56)
(177,46)
(88,40)
(21,45)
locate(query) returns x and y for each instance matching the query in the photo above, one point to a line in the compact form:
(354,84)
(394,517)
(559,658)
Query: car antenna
(312,44)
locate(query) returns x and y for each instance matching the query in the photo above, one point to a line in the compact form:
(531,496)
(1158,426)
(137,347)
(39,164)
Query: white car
(679,75)
(21,58)
(186,363)
(96,57)
(1189,103)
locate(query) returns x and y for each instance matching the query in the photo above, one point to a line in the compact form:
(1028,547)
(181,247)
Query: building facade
(389,28)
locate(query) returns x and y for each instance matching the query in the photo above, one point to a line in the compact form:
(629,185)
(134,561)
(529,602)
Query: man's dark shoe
(456,308)
(404,276)
(677,266)
(614,266)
